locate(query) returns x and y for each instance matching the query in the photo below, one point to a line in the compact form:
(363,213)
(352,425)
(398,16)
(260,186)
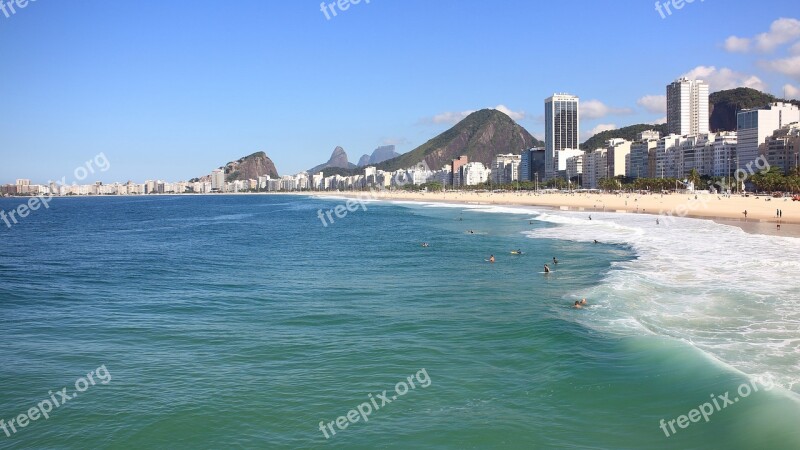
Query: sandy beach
(761,211)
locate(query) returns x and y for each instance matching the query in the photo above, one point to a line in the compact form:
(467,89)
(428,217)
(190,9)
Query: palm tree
(694,178)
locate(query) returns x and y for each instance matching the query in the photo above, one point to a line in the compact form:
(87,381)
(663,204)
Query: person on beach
(745,214)
(546,268)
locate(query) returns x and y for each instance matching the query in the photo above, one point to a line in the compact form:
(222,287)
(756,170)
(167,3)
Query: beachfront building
(561,161)
(574,167)
(455,171)
(724,154)
(505,168)
(217,180)
(595,167)
(618,152)
(687,107)
(474,173)
(781,149)
(531,166)
(639,159)
(698,154)
(754,126)
(669,157)
(562,128)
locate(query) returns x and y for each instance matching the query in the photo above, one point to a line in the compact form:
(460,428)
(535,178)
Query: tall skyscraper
(561,122)
(687,107)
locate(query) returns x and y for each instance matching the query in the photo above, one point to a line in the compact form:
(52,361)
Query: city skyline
(187,102)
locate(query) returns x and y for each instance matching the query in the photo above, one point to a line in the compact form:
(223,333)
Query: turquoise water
(242,321)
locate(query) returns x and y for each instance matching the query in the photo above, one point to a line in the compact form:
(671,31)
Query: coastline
(761,213)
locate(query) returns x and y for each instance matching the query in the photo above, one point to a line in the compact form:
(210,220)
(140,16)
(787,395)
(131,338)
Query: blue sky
(173,89)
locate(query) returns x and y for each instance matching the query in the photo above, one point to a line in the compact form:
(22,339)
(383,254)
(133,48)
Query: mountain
(480,136)
(248,168)
(723,106)
(338,159)
(630,133)
(363,161)
(378,156)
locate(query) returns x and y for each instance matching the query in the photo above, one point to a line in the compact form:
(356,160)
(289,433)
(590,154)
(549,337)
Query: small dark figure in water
(555,261)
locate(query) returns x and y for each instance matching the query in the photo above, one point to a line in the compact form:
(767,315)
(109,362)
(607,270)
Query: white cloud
(724,78)
(595,109)
(452,118)
(795,49)
(656,104)
(517,116)
(737,45)
(660,121)
(791,92)
(788,66)
(781,31)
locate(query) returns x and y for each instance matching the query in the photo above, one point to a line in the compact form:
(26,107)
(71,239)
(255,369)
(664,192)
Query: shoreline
(761,217)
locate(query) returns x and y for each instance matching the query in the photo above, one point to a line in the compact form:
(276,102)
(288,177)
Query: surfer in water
(555,261)
(546,268)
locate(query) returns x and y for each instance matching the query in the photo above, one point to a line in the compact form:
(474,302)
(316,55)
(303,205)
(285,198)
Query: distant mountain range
(378,156)
(486,133)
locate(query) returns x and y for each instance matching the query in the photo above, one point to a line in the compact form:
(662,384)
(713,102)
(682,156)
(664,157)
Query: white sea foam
(728,293)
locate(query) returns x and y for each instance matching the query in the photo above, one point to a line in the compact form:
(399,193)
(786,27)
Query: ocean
(246,322)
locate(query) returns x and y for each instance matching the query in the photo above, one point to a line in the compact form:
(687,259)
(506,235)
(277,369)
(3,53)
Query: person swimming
(555,261)
(583,302)
(595,241)
(546,268)
(577,305)
(491,259)
(425,244)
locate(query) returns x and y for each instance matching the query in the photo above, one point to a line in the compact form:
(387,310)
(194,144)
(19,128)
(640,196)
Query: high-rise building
(687,107)
(618,151)
(639,161)
(531,167)
(218,180)
(455,170)
(782,149)
(754,126)
(505,168)
(562,128)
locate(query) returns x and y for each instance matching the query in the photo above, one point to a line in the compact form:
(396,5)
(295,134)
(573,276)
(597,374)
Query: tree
(694,177)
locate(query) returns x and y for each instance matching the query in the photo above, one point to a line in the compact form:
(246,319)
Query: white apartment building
(505,168)
(725,154)
(687,107)
(754,126)
(474,173)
